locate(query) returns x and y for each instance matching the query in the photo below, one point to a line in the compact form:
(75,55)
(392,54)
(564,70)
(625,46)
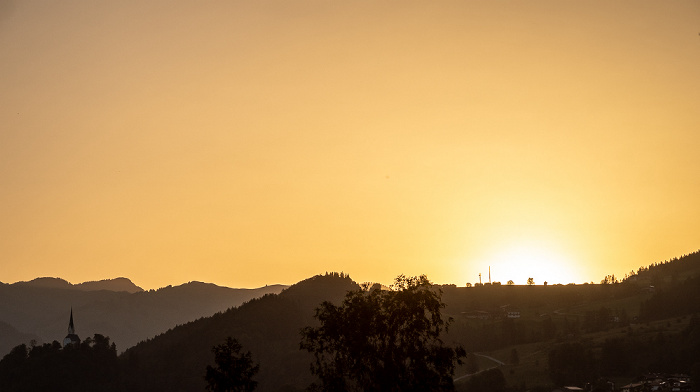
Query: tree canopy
(89,366)
(234,370)
(383,340)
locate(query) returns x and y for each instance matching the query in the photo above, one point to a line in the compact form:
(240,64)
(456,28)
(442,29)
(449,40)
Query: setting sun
(543,263)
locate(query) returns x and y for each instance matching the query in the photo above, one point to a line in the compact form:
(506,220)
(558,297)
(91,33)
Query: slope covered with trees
(516,337)
(560,319)
(268,327)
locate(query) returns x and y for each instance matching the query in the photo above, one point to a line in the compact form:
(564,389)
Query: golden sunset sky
(252,142)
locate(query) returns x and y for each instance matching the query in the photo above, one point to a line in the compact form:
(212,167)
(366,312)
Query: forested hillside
(516,337)
(602,321)
(268,327)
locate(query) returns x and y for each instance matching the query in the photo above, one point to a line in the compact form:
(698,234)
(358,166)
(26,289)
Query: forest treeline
(563,316)
(91,365)
(668,271)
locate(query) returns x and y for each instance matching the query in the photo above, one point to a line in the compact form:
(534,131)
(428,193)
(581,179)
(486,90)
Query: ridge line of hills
(115,284)
(38,310)
(653,310)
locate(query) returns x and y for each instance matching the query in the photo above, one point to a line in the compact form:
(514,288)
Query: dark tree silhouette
(234,370)
(383,340)
(530,281)
(89,366)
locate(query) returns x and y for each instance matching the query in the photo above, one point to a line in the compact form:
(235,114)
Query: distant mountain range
(39,309)
(117,284)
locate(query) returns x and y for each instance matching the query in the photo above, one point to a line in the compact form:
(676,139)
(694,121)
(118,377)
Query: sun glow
(247,143)
(540,261)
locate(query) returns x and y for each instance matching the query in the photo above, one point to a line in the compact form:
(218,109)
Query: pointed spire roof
(71,338)
(71,327)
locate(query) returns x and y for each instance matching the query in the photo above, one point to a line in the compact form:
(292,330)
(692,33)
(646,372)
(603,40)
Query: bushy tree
(383,340)
(234,370)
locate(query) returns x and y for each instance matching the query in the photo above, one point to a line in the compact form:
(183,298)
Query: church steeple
(71,338)
(71,327)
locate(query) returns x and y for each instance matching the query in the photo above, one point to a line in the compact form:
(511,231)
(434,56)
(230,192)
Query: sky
(247,143)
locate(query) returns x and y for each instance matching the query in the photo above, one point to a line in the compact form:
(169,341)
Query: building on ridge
(71,338)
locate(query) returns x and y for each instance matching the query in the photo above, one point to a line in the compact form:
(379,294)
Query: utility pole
(479,278)
(489,274)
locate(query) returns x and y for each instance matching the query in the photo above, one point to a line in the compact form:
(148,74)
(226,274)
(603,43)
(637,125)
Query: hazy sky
(251,142)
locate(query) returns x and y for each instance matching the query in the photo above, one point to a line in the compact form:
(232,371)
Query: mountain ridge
(39,309)
(113,284)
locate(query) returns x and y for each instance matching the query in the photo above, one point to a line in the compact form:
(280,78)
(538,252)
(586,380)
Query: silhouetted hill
(117,284)
(667,272)
(10,335)
(46,282)
(268,327)
(676,289)
(40,308)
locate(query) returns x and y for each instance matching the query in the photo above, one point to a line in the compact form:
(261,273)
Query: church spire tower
(71,327)
(71,338)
